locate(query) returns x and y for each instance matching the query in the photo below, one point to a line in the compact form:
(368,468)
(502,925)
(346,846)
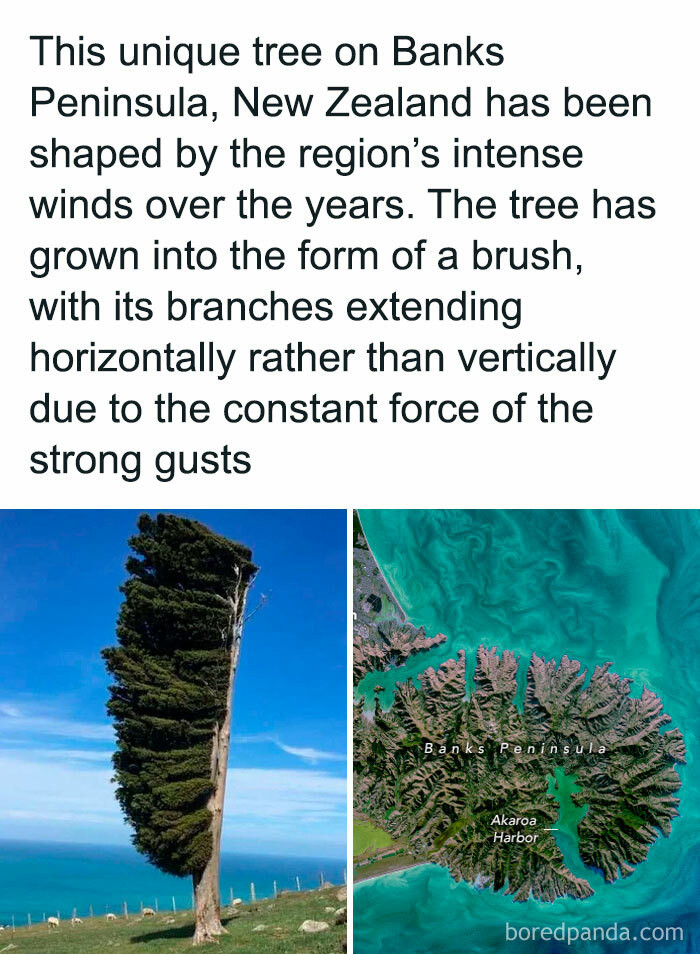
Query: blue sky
(60,573)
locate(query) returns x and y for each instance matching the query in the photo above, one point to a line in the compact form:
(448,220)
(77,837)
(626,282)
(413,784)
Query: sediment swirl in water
(615,586)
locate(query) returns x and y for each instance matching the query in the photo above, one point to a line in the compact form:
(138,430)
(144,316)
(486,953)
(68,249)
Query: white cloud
(312,755)
(17,721)
(306,753)
(67,755)
(56,785)
(64,797)
(284,793)
(54,791)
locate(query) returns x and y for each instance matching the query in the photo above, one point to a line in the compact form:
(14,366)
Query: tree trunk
(208,926)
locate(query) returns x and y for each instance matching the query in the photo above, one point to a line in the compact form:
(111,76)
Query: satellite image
(514,759)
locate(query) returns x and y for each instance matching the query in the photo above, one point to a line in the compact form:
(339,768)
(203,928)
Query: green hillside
(367,837)
(170,933)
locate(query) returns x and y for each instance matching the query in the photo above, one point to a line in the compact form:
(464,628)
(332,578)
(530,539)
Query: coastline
(370,873)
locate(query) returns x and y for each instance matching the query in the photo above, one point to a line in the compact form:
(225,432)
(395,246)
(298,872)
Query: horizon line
(129,847)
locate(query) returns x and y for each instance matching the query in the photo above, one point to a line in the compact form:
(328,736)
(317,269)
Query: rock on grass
(314,927)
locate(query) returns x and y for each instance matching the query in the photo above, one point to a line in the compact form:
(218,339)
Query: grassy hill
(170,933)
(366,837)
(369,844)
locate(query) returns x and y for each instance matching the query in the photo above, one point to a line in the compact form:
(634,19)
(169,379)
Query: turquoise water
(597,585)
(562,787)
(40,879)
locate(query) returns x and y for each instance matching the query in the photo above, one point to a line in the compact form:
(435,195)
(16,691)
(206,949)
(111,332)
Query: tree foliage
(171,671)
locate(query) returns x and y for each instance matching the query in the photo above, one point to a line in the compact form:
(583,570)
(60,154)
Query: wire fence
(173,904)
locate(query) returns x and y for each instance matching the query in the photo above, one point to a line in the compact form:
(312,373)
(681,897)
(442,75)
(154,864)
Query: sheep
(111,917)
(148,913)
(52,922)
(76,920)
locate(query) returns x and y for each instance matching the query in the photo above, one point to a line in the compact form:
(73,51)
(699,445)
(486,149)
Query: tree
(179,638)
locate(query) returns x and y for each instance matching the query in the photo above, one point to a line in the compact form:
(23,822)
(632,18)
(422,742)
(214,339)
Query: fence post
(126,912)
(174,908)
(230,896)
(345,875)
(156,905)
(29,920)
(91,914)
(274,888)
(298,884)
(321,880)
(13,924)
(252,892)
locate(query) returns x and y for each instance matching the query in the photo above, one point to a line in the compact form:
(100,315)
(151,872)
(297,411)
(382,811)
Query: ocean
(598,585)
(38,880)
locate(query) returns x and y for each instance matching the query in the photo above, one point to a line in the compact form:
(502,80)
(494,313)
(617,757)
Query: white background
(636,292)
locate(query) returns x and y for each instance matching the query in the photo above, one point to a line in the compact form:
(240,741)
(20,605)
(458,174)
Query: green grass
(367,837)
(170,933)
